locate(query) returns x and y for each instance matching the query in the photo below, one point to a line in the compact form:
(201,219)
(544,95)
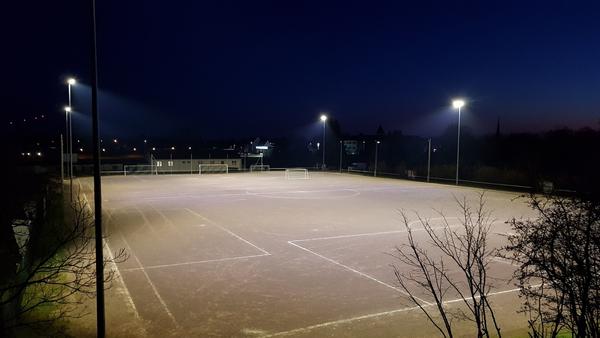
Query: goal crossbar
(297,174)
(213,168)
(139,169)
(260,167)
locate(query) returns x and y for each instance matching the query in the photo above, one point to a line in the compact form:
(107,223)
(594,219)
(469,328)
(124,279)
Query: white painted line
(193,262)
(227,230)
(158,296)
(167,220)
(336,322)
(504,261)
(146,220)
(378,314)
(375,233)
(112,259)
(357,272)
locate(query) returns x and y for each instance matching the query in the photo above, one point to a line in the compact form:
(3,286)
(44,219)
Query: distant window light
(159,163)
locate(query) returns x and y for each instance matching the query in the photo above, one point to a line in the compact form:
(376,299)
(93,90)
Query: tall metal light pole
(71,82)
(340,156)
(428,158)
(458,104)
(100,317)
(376,151)
(191,160)
(68,111)
(324,120)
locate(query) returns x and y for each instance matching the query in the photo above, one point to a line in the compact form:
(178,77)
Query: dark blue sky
(247,68)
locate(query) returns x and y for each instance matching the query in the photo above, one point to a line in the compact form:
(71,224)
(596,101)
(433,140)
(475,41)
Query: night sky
(248,68)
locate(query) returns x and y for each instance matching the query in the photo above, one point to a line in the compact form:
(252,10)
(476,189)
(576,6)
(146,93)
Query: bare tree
(463,248)
(558,254)
(56,272)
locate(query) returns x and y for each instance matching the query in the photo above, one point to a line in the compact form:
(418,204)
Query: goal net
(139,169)
(213,169)
(260,167)
(297,174)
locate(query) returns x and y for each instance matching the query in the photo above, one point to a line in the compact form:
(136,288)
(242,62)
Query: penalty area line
(112,259)
(194,262)
(379,314)
(357,272)
(154,289)
(265,252)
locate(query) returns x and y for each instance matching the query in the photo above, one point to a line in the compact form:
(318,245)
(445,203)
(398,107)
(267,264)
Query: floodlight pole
(458,145)
(100,317)
(70,114)
(428,158)
(62,165)
(340,156)
(323,165)
(376,151)
(67,136)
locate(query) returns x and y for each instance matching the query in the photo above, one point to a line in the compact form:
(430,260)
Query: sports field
(258,254)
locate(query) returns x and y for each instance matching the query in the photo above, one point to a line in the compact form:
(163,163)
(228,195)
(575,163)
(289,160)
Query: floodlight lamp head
(68,109)
(457,104)
(323,117)
(71,81)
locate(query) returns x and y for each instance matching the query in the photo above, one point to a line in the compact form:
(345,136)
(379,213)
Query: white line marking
(378,314)
(194,262)
(112,259)
(341,321)
(227,230)
(293,242)
(158,296)
(504,261)
(357,272)
(376,233)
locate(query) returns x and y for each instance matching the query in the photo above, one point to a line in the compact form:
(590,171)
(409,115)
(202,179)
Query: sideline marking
(278,194)
(265,252)
(194,262)
(357,272)
(293,242)
(158,296)
(111,257)
(378,314)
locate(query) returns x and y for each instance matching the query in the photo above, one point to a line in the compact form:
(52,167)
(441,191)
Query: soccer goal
(259,167)
(213,169)
(296,174)
(139,169)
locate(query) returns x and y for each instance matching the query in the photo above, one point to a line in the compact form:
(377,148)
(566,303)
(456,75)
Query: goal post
(297,174)
(139,169)
(213,169)
(259,167)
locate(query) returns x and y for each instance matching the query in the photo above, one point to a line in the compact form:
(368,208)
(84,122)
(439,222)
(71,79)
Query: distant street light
(324,120)
(376,151)
(458,104)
